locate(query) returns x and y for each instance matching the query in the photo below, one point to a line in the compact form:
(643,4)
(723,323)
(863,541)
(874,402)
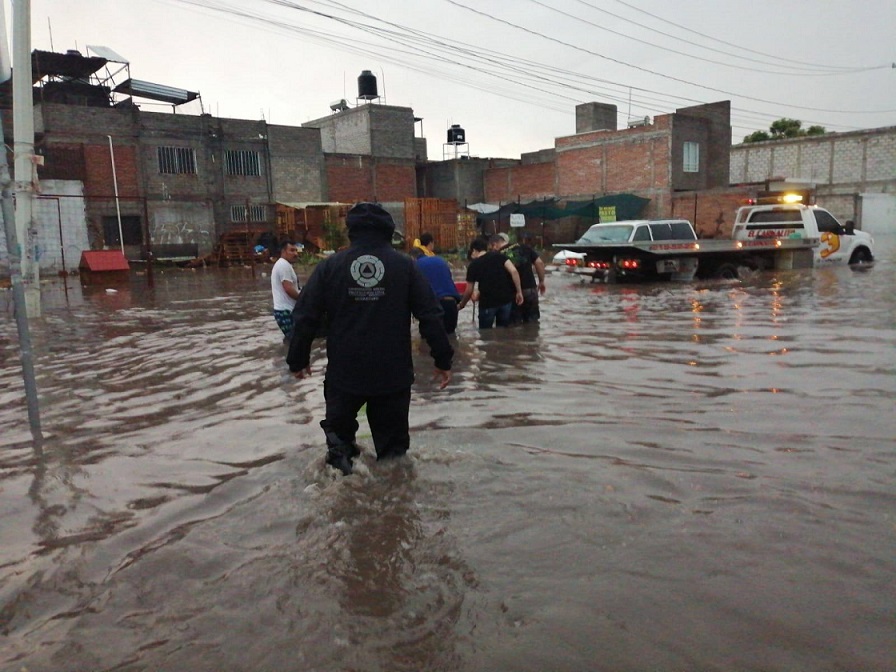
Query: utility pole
(14,251)
(24,167)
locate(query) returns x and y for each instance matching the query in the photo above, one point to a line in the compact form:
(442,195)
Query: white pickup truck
(837,244)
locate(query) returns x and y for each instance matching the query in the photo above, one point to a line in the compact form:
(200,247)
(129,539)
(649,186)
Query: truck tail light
(630,264)
(600,265)
(572,261)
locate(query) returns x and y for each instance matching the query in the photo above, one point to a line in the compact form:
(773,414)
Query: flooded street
(662,477)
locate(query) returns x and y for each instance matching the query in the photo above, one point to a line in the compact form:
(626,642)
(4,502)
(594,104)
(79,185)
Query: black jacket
(367,295)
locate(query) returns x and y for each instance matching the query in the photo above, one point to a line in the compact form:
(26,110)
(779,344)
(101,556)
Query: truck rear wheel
(726,271)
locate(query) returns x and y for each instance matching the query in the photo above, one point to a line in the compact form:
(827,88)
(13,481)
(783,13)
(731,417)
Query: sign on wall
(606,213)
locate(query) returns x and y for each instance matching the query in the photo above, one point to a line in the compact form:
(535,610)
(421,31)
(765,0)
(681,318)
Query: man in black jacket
(367,294)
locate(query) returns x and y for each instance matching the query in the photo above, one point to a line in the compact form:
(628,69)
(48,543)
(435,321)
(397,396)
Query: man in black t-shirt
(528,264)
(498,282)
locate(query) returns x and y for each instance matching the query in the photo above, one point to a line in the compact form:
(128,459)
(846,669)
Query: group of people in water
(504,278)
(364,297)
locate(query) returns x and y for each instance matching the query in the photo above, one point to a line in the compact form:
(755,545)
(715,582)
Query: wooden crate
(452,229)
(307,223)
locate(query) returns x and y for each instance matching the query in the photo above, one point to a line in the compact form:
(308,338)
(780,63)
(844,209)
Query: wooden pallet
(237,247)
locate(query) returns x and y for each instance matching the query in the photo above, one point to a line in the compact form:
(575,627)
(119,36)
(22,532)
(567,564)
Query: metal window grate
(177,160)
(691,157)
(252,213)
(242,162)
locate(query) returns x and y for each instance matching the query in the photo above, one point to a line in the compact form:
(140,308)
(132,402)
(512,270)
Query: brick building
(682,151)
(371,154)
(189,178)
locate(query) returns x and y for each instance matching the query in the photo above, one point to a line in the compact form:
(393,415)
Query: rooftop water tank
(456,135)
(367,85)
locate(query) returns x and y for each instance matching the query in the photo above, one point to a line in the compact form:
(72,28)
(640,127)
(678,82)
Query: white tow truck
(837,243)
(765,237)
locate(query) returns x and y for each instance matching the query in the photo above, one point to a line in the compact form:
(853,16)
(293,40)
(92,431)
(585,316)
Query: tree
(785,128)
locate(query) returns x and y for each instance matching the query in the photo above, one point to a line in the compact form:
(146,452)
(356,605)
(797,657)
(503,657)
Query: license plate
(667,266)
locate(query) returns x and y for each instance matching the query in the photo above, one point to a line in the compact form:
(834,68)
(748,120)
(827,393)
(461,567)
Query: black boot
(340,461)
(340,453)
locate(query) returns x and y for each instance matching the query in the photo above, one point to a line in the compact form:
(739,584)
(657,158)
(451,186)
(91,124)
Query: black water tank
(367,85)
(456,135)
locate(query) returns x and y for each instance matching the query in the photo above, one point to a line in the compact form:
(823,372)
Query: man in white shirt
(285,285)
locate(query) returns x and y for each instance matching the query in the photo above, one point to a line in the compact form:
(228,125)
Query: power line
(403,45)
(729,43)
(648,70)
(806,71)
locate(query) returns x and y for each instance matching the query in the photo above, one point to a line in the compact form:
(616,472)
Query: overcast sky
(510,72)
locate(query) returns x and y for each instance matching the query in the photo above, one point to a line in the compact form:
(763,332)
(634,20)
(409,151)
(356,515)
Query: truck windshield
(607,233)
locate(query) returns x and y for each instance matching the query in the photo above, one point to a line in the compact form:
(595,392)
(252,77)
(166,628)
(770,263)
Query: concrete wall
(459,179)
(866,158)
(843,166)
(595,117)
(298,172)
(369,130)
(709,126)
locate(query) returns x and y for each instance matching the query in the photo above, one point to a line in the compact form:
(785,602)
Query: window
(130,229)
(682,231)
(661,231)
(177,160)
(827,223)
(242,162)
(691,157)
(641,233)
(776,216)
(252,213)
(603,233)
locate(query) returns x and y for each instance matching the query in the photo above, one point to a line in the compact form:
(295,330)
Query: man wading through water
(368,293)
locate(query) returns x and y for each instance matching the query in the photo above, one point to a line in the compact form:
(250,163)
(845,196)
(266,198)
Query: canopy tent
(484,208)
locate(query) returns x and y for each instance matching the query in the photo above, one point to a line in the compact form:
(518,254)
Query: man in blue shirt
(438,272)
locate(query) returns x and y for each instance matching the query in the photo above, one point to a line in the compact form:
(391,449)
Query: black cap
(369,217)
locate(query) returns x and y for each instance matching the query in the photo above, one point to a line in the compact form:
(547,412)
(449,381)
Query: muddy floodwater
(663,477)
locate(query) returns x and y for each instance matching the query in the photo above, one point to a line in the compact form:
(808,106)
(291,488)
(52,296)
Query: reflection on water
(692,476)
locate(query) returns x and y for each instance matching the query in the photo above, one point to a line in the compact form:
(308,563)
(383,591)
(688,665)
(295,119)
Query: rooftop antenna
(50,28)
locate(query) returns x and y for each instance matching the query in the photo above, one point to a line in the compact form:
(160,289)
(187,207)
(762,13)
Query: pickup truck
(597,250)
(764,237)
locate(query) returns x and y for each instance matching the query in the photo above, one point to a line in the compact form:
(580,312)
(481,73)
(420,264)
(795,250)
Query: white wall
(61,225)
(878,213)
